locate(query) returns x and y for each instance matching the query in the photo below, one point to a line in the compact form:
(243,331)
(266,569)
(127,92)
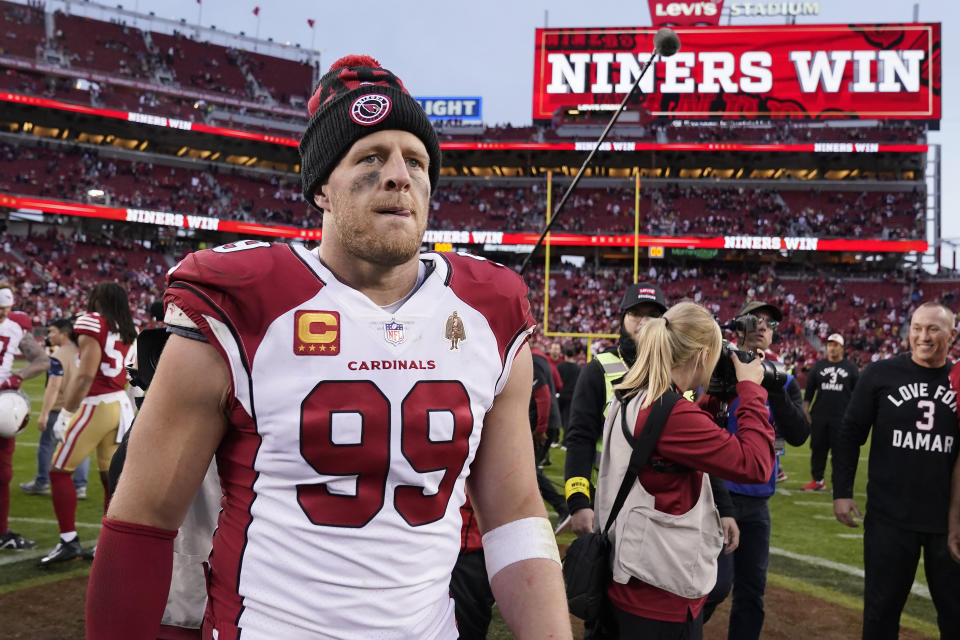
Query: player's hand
(13,382)
(582,521)
(42,420)
(845,510)
(60,426)
(731,534)
(953,542)
(752,371)
(539,439)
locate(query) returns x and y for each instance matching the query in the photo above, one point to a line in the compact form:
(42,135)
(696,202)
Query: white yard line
(54,522)
(917,588)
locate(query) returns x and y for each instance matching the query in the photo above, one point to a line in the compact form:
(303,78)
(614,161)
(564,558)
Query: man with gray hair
(911,409)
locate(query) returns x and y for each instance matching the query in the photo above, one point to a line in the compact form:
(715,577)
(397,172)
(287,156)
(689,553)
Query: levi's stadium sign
(769,71)
(685,13)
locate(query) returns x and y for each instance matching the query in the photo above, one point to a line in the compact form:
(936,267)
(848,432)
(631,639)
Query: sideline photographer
(662,573)
(641,303)
(746,568)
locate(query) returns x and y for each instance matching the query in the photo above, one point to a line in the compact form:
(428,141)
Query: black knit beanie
(355,98)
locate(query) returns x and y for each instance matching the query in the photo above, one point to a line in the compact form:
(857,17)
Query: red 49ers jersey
(111,375)
(352,430)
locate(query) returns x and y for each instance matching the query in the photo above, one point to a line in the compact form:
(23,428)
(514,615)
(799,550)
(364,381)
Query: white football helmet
(14,412)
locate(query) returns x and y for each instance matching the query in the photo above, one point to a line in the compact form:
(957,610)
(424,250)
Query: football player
(96,409)
(15,334)
(344,424)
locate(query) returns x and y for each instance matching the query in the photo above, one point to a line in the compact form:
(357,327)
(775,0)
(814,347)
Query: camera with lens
(723,381)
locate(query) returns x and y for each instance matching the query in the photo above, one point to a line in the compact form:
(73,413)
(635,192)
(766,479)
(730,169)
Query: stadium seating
(202,65)
(269,198)
(102,46)
(57,273)
(868,311)
(21,30)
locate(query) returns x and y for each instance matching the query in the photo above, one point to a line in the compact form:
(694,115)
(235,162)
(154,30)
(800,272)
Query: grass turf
(803,524)
(33,516)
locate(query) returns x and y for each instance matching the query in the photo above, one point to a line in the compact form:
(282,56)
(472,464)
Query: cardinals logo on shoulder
(369,109)
(454,331)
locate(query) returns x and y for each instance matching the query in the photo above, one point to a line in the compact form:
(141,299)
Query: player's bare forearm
(82,380)
(175,436)
(50,397)
(531,598)
(503,488)
(80,385)
(38,360)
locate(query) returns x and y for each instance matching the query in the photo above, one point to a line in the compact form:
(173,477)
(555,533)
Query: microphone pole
(666,43)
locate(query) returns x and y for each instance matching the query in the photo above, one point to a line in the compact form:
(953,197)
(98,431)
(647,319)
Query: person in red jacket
(953,535)
(651,597)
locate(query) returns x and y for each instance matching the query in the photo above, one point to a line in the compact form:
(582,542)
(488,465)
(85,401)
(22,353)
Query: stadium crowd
(54,273)
(868,310)
(275,198)
(189,75)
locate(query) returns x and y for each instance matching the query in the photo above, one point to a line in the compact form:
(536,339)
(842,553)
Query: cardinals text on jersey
(344,464)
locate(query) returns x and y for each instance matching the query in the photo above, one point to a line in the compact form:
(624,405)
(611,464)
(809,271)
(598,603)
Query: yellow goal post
(590,337)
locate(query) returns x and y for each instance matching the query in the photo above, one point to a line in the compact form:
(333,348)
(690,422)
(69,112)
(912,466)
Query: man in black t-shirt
(829,387)
(908,402)
(569,371)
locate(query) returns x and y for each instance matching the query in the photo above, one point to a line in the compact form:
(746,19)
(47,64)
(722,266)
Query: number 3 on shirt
(925,423)
(369,458)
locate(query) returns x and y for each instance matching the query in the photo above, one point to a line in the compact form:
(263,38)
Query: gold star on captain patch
(333,348)
(322,348)
(302,348)
(312,348)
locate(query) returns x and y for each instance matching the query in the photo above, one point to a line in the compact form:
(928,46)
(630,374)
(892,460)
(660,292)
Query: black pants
(631,627)
(820,432)
(472,598)
(547,491)
(890,558)
(745,569)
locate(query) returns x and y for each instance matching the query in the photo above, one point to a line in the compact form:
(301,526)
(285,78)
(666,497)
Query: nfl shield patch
(393,332)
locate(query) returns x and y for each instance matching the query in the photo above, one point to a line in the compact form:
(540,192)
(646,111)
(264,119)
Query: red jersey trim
(21,319)
(235,465)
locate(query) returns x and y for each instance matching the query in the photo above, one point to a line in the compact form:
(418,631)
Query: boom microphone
(665,43)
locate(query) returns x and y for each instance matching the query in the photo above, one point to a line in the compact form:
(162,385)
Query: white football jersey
(352,432)
(12,330)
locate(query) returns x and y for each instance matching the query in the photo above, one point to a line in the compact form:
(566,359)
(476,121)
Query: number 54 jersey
(352,429)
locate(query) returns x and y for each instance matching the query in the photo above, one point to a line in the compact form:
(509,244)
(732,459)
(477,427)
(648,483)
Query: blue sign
(452,108)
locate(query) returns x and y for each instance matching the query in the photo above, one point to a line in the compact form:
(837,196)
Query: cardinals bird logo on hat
(370,109)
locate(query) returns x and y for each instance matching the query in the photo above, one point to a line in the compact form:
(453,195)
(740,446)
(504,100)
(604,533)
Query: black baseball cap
(756,305)
(643,292)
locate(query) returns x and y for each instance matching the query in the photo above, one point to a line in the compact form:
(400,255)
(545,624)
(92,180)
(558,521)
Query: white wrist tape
(519,540)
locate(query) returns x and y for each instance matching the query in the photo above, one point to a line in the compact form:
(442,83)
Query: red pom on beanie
(354,61)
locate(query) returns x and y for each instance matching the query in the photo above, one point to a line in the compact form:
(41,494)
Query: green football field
(811,553)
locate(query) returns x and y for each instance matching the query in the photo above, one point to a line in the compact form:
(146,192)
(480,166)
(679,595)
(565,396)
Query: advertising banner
(467,109)
(685,13)
(786,71)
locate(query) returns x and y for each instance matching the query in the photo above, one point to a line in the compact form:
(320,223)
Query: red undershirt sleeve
(129,581)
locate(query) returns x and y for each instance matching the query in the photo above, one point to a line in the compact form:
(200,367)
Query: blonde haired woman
(667,536)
